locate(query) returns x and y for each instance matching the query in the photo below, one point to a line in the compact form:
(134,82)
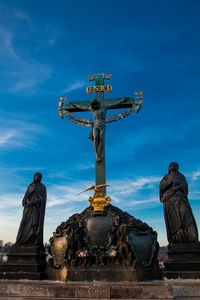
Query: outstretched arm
(80,106)
(117,102)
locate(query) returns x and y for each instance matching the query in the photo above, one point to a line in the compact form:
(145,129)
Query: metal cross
(98,107)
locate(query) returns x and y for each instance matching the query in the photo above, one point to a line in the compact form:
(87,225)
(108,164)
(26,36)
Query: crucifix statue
(98,106)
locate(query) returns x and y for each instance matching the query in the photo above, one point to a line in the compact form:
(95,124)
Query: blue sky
(47,50)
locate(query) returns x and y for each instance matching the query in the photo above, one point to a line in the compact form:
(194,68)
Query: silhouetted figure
(30,232)
(180,223)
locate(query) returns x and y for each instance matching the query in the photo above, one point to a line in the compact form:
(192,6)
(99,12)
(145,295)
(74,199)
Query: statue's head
(37,177)
(173,167)
(95,104)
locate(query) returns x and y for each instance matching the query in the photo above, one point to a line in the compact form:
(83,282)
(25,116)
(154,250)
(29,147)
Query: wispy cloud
(131,195)
(195,175)
(7,49)
(74,86)
(53,35)
(19,73)
(21,15)
(5,137)
(31,74)
(18,133)
(10,200)
(141,202)
(61,194)
(85,166)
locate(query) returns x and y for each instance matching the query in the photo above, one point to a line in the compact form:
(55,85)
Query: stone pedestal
(183,261)
(101,275)
(49,290)
(24,263)
(126,274)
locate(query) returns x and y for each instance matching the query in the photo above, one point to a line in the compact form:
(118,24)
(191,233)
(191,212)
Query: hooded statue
(30,232)
(180,223)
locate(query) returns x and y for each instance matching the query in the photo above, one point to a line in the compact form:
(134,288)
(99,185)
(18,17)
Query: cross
(98,106)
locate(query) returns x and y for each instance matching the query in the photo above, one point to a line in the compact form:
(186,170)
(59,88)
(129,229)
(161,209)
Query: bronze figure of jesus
(97,134)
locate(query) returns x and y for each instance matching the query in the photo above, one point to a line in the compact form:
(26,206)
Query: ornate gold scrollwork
(101,75)
(99,200)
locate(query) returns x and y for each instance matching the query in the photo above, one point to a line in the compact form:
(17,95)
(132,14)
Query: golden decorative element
(56,274)
(95,187)
(88,123)
(99,200)
(99,88)
(102,75)
(59,246)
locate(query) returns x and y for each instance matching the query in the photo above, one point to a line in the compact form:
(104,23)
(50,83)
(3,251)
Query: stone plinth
(183,261)
(49,290)
(105,275)
(24,263)
(113,275)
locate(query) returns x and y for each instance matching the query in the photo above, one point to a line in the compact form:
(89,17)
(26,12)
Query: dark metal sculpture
(27,258)
(180,223)
(30,232)
(99,107)
(97,134)
(105,244)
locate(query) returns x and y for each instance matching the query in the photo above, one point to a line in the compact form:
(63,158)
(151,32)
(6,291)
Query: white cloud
(132,186)
(141,202)
(10,200)
(7,49)
(62,201)
(5,137)
(61,194)
(21,15)
(53,34)
(31,74)
(17,72)
(195,175)
(15,138)
(18,133)
(74,86)
(85,166)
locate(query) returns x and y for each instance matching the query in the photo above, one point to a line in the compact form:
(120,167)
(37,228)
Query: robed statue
(180,223)
(30,232)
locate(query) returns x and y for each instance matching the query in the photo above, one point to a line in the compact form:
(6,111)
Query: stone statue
(180,223)
(98,131)
(30,232)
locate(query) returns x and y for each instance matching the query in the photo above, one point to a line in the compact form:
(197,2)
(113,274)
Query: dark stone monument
(27,259)
(104,244)
(184,247)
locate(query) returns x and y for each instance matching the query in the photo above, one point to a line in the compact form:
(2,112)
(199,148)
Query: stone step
(21,267)
(22,275)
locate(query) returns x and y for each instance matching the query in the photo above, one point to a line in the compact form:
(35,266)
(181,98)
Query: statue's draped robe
(30,232)
(180,223)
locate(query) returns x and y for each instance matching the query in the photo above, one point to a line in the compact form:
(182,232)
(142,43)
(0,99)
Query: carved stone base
(111,246)
(114,275)
(24,263)
(183,261)
(107,274)
(101,275)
